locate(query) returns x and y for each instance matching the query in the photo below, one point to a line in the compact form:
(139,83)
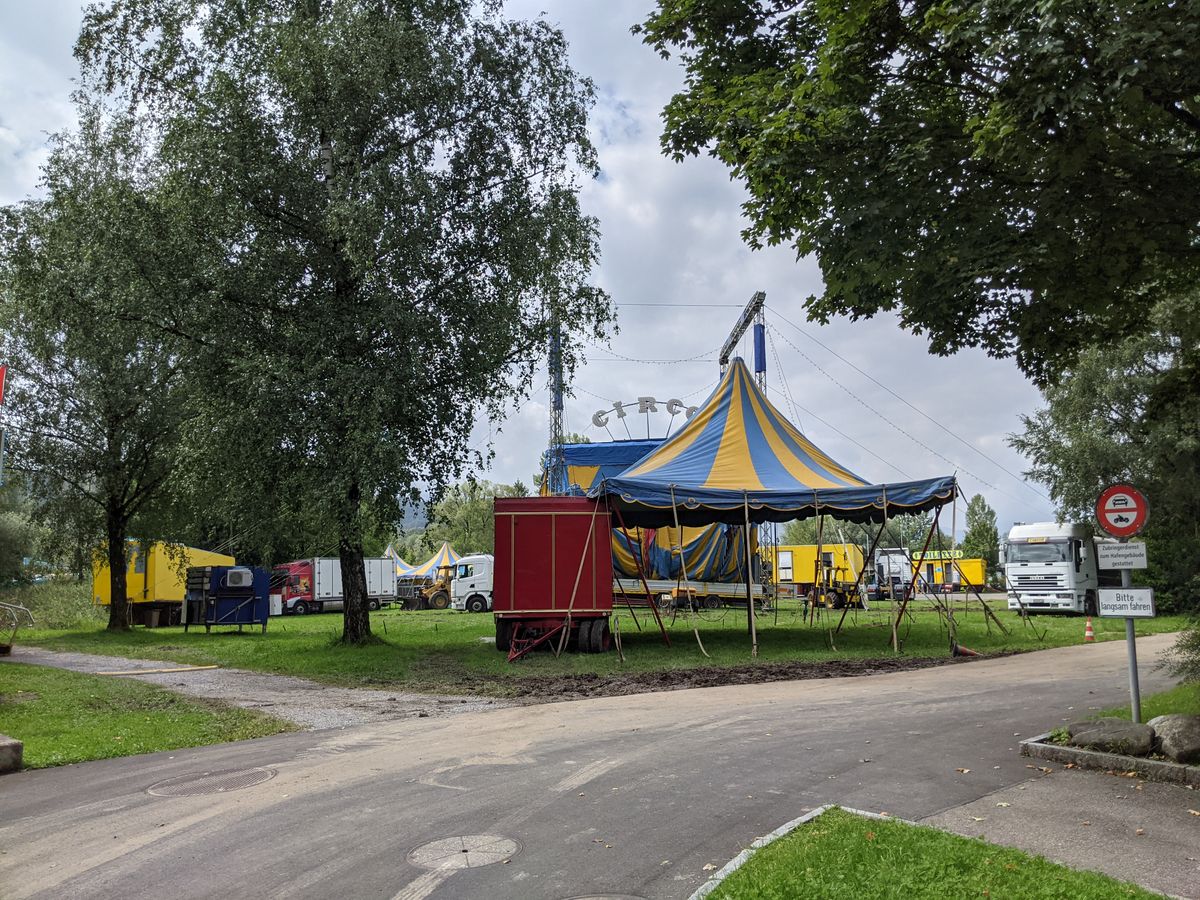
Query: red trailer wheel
(504,633)
(583,636)
(600,636)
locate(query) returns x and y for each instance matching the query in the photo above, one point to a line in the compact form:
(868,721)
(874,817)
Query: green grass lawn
(450,651)
(1183,699)
(65,717)
(839,855)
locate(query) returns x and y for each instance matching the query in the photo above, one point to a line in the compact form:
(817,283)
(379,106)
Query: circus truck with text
(1052,568)
(315,585)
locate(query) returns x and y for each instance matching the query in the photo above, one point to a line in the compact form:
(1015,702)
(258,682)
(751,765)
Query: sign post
(1122,511)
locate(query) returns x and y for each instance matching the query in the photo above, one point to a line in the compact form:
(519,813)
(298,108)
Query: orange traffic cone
(1089,636)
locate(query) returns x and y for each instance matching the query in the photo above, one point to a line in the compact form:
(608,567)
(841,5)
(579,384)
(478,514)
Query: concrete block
(11,752)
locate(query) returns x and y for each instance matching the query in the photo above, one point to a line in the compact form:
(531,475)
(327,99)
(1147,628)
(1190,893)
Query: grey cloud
(670,236)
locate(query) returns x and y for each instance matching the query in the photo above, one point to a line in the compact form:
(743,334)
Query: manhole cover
(210,782)
(465,852)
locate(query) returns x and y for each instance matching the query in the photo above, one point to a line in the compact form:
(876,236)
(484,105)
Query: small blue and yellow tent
(583,465)
(738,457)
(403,569)
(443,558)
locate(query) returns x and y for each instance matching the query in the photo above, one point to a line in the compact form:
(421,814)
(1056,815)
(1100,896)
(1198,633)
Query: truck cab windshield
(1038,553)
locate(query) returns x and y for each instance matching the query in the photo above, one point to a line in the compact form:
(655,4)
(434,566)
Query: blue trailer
(227,595)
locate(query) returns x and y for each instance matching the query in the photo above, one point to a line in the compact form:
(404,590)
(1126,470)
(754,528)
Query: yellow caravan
(155,581)
(795,565)
(941,567)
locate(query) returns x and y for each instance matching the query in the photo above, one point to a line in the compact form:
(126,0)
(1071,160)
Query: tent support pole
(987,610)
(645,583)
(749,581)
(913,586)
(818,585)
(988,615)
(686,580)
(858,580)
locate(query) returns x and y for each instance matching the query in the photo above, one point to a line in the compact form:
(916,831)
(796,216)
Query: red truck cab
(293,583)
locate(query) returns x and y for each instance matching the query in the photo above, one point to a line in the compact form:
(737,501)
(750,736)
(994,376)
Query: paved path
(309,704)
(617,796)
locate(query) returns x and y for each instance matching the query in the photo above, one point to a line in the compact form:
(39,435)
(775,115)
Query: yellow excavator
(436,595)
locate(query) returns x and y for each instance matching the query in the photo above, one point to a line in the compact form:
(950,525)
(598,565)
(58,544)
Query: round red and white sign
(1122,510)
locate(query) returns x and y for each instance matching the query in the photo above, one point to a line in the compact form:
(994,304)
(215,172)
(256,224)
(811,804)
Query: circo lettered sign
(1122,511)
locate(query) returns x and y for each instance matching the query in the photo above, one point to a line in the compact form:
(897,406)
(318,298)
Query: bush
(1184,658)
(57,604)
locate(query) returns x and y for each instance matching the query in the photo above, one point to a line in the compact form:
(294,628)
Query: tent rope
(686,581)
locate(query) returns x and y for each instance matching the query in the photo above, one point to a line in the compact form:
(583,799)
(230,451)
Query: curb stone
(1039,747)
(782,831)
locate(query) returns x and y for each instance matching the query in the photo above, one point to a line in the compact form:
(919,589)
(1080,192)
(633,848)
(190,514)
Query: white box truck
(315,585)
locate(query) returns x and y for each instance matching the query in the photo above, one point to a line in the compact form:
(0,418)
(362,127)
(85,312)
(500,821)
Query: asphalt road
(625,796)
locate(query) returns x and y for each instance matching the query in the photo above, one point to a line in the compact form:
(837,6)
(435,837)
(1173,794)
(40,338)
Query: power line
(652,362)
(911,406)
(907,434)
(783,378)
(699,357)
(686,305)
(834,428)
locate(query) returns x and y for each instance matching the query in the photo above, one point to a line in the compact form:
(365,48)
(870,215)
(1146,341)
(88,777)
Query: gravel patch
(309,704)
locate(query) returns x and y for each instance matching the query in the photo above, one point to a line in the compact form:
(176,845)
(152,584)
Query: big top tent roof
(738,450)
(444,557)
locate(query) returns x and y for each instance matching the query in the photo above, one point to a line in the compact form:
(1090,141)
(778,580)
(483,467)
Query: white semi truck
(1052,568)
(471,587)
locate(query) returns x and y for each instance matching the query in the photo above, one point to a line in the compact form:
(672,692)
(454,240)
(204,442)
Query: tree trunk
(356,621)
(118,609)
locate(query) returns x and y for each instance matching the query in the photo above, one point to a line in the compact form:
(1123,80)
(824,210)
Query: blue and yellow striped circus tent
(714,553)
(739,455)
(403,569)
(444,557)
(583,465)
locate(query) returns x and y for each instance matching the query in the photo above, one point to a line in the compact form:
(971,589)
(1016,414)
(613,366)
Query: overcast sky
(675,264)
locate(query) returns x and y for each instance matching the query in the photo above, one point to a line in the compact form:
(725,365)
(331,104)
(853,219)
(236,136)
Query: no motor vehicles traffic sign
(1122,510)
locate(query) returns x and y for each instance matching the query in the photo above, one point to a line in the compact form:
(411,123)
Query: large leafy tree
(1022,177)
(464,518)
(982,538)
(391,189)
(18,536)
(96,404)
(1131,411)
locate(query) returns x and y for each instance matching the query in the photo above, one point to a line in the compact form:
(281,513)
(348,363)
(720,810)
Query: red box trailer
(553,569)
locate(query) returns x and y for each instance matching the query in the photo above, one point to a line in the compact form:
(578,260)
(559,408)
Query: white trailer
(705,594)
(327,582)
(471,589)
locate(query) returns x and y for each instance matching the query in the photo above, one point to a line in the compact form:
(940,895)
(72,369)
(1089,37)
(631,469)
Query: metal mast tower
(752,315)
(556,464)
